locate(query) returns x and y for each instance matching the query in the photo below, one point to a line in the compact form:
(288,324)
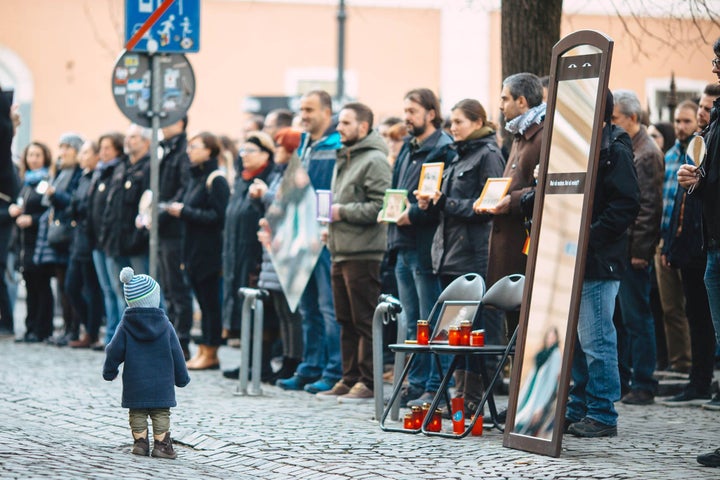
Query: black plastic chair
(469,287)
(506,295)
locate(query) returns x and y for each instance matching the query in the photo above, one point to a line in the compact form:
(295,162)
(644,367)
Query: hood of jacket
(373,141)
(145,324)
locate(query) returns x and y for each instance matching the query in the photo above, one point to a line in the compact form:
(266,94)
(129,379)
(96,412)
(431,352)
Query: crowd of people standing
(653,247)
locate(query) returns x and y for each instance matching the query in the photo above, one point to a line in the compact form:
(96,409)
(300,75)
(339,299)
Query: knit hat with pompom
(140,290)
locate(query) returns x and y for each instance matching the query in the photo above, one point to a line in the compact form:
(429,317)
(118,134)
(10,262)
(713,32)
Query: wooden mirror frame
(552,447)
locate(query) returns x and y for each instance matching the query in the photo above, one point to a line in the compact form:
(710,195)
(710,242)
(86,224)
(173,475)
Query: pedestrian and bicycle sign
(162,26)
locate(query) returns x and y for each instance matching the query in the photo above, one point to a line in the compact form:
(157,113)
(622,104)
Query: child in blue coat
(154,364)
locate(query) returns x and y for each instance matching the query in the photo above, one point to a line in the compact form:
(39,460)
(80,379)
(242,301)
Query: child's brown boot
(141,447)
(163,448)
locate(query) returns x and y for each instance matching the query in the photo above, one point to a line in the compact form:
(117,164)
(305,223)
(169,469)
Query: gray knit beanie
(140,290)
(72,139)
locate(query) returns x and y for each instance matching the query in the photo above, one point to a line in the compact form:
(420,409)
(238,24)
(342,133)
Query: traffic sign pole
(154,162)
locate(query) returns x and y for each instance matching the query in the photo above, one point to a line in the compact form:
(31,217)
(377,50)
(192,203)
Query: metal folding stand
(388,309)
(252,318)
(504,351)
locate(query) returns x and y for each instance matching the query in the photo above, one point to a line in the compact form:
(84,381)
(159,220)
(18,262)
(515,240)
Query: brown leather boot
(209,360)
(197,358)
(84,342)
(164,448)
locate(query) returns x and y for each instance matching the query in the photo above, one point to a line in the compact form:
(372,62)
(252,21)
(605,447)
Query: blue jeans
(418,289)
(712,285)
(321,355)
(112,309)
(637,347)
(596,381)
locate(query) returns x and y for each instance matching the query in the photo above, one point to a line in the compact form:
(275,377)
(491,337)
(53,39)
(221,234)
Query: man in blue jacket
(322,365)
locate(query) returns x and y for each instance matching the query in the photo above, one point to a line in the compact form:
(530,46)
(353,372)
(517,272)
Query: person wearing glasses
(202,213)
(242,251)
(704,181)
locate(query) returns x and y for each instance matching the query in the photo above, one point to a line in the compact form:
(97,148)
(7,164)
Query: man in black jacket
(411,237)
(596,380)
(174,177)
(9,120)
(705,182)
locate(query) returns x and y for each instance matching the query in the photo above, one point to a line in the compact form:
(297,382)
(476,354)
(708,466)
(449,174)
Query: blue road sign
(176,31)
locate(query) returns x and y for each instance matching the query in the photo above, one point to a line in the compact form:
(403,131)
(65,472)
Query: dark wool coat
(241,253)
(146,342)
(121,236)
(80,249)
(97,201)
(26,238)
(65,184)
(508,231)
(174,178)
(203,217)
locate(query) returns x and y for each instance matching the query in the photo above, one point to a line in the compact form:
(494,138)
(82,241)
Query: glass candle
(477,429)
(465,329)
(454,336)
(435,424)
(408,422)
(423,332)
(458,415)
(477,338)
(424,412)
(417,416)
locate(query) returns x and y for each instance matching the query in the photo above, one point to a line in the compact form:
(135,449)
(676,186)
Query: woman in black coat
(242,252)
(202,212)
(35,168)
(462,238)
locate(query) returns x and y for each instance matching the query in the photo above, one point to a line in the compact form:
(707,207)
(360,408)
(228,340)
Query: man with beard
(410,239)
(710,94)
(357,244)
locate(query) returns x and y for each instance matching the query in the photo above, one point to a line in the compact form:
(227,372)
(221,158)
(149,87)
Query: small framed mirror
(579,74)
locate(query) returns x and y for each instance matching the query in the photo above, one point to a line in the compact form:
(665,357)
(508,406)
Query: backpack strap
(213,175)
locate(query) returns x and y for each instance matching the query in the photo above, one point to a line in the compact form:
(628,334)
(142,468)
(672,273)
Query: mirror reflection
(555,264)
(295,232)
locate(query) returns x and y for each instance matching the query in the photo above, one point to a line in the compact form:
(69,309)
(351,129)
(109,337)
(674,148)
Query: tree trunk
(530,28)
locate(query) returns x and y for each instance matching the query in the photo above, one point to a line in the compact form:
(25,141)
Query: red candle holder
(435,424)
(424,411)
(477,429)
(423,332)
(454,336)
(458,415)
(408,422)
(477,338)
(465,330)
(417,416)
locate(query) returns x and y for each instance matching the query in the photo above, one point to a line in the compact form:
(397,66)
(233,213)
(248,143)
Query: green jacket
(360,178)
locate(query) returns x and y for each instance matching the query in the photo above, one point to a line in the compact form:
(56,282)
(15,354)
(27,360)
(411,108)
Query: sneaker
(163,448)
(333,393)
(359,393)
(322,385)
(711,459)
(426,397)
(689,396)
(409,394)
(141,447)
(638,397)
(713,404)
(589,428)
(296,382)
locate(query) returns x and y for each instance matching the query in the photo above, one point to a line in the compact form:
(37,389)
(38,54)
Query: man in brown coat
(521,102)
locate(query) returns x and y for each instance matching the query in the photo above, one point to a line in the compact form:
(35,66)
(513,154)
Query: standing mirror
(556,260)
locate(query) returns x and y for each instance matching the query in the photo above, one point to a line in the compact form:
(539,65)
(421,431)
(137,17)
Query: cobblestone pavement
(61,420)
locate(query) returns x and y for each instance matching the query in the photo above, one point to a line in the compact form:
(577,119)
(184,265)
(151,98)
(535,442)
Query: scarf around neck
(519,124)
(33,177)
